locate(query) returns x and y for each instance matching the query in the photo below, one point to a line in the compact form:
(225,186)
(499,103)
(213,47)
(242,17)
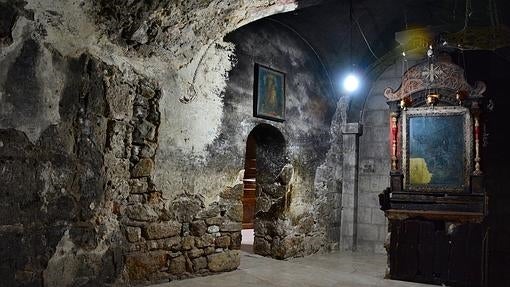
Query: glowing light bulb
(351,83)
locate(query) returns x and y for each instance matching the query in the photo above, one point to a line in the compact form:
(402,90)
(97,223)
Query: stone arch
(270,151)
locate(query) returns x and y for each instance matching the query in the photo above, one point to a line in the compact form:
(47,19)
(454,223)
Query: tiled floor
(334,269)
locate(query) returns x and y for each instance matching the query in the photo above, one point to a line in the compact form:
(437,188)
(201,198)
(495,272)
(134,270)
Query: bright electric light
(351,83)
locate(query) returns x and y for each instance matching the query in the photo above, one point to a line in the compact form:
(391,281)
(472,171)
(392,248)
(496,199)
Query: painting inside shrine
(436,148)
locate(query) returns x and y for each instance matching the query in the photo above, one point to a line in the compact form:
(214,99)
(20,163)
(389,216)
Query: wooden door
(250,184)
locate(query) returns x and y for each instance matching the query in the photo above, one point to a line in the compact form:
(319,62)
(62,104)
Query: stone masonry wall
(103,219)
(115,162)
(374,161)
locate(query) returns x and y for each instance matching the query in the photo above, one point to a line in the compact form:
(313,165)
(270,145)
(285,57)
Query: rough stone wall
(111,122)
(54,175)
(294,213)
(374,161)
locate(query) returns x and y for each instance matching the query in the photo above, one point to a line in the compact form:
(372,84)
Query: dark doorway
(264,160)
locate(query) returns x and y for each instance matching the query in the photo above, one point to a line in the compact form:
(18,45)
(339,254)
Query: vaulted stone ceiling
(326,29)
(326,26)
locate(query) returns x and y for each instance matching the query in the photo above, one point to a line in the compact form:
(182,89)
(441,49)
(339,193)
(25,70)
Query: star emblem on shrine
(432,72)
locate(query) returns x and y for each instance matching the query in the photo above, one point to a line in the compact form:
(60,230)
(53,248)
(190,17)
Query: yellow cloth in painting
(419,172)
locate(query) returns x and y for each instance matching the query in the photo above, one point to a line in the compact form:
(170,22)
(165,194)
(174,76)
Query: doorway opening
(249,194)
(265,157)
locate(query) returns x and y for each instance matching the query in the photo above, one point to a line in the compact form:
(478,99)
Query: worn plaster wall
(115,160)
(306,213)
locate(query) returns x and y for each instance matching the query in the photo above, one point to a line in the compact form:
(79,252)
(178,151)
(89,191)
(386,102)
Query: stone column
(349,212)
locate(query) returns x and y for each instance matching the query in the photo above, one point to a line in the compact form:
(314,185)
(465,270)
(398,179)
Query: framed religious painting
(269,94)
(437,144)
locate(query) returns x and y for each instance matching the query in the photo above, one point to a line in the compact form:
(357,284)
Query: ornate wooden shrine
(436,202)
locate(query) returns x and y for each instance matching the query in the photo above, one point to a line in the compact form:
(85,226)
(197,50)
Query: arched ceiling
(326,27)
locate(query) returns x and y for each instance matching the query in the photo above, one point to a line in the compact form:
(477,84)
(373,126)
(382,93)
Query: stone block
(148,150)
(347,229)
(209,250)
(133,234)
(119,98)
(364,215)
(144,130)
(172,243)
(347,200)
(198,228)
(373,183)
(231,226)
(378,217)
(141,212)
(223,241)
(141,266)
(199,263)
(352,128)
(235,240)
(188,242)
(214,221)
(146,90)
(290,246)
(213,229)
(194,253)
(368,199)
(212,210)
(366,166)
(373,134)
(143,168)
(177,265)
(152,245)
(368,232)
(204,241)
(184,208)
(378,167)
(162,230)
(138,186)
(137,198)
(119,134)
(261,246)
(346,242)
(224,261)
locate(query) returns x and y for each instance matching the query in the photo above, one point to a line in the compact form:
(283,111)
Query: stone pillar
(349,212)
